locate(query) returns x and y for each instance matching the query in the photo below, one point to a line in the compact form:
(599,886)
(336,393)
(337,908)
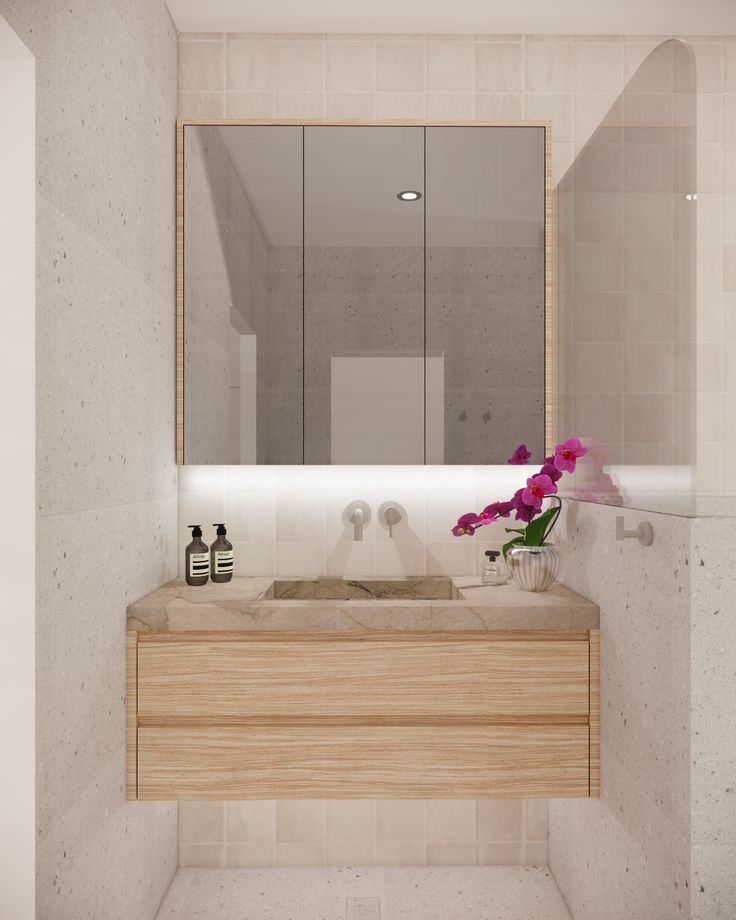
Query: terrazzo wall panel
(107,499)
(628,855)
(713,717)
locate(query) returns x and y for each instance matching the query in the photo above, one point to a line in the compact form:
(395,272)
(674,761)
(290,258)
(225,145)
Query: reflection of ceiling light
(692,196)
(409,195)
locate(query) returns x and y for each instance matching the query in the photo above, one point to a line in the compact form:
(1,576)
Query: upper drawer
(410,677)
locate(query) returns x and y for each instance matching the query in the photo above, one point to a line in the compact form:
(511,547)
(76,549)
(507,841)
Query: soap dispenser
(492,568)
(197,567)
(221,556)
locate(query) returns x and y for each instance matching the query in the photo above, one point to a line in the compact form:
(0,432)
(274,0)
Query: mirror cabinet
(362,294)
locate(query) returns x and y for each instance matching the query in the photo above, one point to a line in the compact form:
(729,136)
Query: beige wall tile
(301,854)
(201,822)
(729,65)
(598,67)
(298,822)
(400,105)
(451,106)
(450,65)
(450,854)
(450,820)
(300,66)
(201,66)
(536,820)
(351,820)
(499,67)
(450,558)
(402,853)
(499,106)
(599,267)
(648,367)
(351,66)
(351,853)
(251,822)
(201,105)
(590,111)
(250,105)
(555,107)
(251,65)
(350,106)
(599,217)
(709,66)
(202,854)
(499,854)
(549,66)
(400,66)
(250,855)
(648,418)
(300,105)
(535,853)
(399,819)
(499,820)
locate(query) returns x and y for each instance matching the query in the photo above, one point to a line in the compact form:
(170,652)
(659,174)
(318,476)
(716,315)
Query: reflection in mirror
(243,294)
(486,288)
(626,304)
(364,295)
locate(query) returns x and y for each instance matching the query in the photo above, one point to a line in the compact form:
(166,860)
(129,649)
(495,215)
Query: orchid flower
(520,456)
(537,488)
(567,454)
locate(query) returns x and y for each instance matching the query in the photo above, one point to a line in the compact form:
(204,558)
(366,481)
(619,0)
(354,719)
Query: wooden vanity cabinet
(262,715)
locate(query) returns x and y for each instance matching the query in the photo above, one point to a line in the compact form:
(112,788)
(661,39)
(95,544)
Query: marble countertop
(248,604)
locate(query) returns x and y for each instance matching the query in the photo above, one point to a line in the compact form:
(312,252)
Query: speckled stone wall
(107,504)
(628,855)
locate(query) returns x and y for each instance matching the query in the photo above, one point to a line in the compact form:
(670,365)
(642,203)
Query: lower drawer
(296,762)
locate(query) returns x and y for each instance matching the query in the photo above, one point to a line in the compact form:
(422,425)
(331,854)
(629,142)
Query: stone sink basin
(364,589)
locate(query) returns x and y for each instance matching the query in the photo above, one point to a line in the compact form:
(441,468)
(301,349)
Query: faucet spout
(358,519)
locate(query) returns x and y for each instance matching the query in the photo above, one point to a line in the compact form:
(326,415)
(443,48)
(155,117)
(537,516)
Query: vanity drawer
(430,676)
(303,762)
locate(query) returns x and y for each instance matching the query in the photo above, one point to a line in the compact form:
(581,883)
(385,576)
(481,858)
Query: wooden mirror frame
(296,122)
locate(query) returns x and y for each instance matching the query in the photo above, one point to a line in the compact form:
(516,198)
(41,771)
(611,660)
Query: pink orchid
(567,454)
(520,456)
(537,487)
(466,525)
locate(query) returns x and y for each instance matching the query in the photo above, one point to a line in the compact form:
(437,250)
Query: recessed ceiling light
(409,195)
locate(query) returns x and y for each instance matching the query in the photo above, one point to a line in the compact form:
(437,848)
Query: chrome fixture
(358,514)
(644,533)
(409,195)
(390,514)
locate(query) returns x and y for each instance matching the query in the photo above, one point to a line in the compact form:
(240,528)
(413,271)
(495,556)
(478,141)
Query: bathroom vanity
(390,688)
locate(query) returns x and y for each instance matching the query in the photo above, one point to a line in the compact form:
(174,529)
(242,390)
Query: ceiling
(620,17)
(484,186)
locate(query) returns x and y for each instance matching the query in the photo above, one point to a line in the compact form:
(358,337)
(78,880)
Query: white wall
(18,472)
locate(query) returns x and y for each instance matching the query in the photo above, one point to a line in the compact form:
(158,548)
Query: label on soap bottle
(223,561)
(199,564)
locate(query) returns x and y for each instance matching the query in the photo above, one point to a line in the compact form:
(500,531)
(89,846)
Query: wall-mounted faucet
(390,513)
(358,514)
(644,533)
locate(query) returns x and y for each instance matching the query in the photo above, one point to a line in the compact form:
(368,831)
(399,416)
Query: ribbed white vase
(534,568)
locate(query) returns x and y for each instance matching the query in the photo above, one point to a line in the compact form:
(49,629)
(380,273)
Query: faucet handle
(390,514)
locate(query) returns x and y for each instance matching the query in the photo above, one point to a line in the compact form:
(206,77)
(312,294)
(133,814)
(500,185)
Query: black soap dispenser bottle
(197,561)
(221,556)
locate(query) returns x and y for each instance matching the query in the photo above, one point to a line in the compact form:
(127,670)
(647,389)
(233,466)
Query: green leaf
(514,530)
(536,529)
(517,541)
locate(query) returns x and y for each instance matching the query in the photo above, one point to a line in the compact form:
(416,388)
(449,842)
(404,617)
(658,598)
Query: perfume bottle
(492,568)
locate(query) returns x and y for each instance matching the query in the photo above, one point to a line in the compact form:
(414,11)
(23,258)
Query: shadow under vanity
(422,688)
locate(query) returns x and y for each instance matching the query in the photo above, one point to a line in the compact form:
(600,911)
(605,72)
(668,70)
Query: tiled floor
(488,893)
